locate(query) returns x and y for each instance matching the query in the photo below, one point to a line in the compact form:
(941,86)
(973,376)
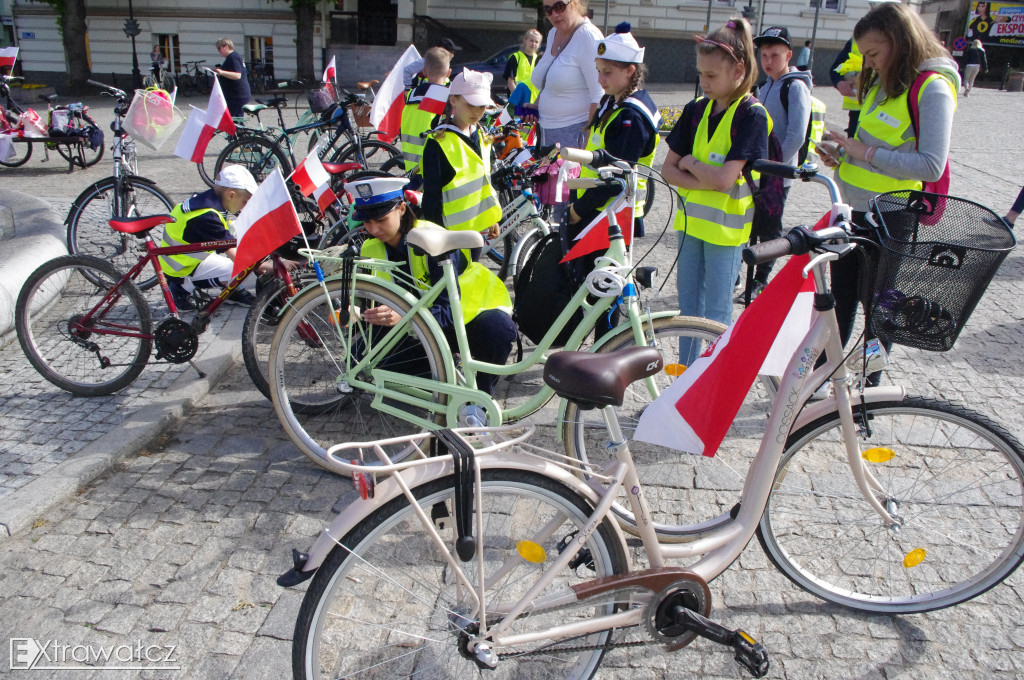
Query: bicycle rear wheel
(952,479)
(258,155)
(373,155)
(710,485)
(208,167)
(86,359)
(386,604)
(70,153)
(88,221)
(22,152)
(310,354)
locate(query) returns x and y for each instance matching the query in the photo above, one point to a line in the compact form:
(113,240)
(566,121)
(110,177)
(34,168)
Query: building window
(167,43)
(261,55)
(829,5)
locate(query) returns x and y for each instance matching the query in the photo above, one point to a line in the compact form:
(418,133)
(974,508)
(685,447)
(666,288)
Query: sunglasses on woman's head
(556,8)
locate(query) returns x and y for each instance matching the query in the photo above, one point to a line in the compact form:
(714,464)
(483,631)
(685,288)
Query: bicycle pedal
(747,651)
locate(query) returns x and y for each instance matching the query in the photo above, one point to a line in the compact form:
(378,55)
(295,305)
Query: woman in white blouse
(566,75)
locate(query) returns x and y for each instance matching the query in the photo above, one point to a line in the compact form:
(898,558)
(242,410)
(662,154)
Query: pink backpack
(933,213)
(547,179)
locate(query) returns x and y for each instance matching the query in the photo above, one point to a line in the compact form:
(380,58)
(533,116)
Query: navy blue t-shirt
(235,89)
(749,130)
(207,226)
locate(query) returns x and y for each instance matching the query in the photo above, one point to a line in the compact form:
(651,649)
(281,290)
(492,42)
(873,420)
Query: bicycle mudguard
(387,489)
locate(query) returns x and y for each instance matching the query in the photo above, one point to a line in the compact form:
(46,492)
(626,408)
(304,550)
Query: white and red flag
(434,99)
(595,235)
(8,55)
(331,72)
(266,222)
(217,115)
(386,114)
(324,196)
(696,410)
(188,146)
(310,174)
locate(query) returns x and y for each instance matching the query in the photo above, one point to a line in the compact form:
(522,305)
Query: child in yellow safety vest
(417,116)
(519,67)
(715,137)
(486,307)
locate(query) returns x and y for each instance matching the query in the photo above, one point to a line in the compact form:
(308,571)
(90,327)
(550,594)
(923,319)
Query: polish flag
(595,235)
(217,115)
(310,174)
(266,222)
(504,117)
(8,55)
(386,114)
(325,197)
(531,137)
(434,99)
(188,146)
(330,73)
(696,410)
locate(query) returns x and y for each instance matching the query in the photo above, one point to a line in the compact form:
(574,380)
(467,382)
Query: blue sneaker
(182,298)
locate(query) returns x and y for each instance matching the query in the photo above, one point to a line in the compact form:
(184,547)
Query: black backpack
(543,289)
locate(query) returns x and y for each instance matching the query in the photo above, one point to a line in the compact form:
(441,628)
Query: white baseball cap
(236,177)
(621,46)
(474,86)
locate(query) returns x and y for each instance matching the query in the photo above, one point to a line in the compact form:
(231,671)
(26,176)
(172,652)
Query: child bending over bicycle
(203,217)
(381,206)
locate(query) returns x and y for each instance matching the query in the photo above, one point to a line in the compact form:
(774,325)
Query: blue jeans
(705,277)
(571,136)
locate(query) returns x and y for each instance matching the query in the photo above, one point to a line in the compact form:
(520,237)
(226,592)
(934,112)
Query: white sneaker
(822,392)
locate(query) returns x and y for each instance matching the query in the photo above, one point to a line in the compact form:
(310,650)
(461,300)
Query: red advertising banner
(996,23)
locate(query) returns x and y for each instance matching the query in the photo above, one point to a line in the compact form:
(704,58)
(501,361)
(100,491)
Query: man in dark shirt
(234,80)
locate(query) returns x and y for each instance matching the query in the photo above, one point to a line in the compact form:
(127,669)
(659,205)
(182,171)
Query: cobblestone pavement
(180,544)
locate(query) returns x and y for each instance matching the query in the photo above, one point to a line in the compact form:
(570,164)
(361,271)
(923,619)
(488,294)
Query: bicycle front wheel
(311,353)
(952,482)
(256,154)
(91,357)
(386,603)
(258,332)
(710,485)
(88,221)
(22,152)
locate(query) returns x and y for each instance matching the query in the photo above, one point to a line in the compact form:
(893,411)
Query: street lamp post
(132,29)
(814,33)
(707,29)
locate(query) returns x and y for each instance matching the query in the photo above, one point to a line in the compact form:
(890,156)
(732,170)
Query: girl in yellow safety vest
(519,67)
(888,153)
(715,137)
(486,307)
(457,192)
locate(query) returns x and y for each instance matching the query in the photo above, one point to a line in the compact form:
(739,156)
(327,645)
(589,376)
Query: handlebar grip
(582,183)
(776,169)
(580,156)
(767,250)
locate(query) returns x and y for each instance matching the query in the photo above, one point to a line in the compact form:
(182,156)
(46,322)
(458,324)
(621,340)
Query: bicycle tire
(18,161)
(61,290)
(88,228)
(258,330)
(372,154)
(960,498)
(207,168)
(149,81)
(91,156)
(258,155)
(711,485)
(525,248)
(305,357)
(387,594)
(186,85)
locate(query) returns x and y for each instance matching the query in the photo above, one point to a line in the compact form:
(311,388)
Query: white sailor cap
(621,46)
(375,197)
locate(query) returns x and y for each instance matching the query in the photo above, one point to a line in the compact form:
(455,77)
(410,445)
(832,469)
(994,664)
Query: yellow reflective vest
(414,122)
(479,288)
(184,264)
(524,72)
(817,123)
(468,201)
(596,141)
(853,65)
(886,124)
(720,218)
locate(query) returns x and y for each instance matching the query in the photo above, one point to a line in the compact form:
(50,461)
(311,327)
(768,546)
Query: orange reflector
(531,552)
(878,454)
(675,370)
(914,558)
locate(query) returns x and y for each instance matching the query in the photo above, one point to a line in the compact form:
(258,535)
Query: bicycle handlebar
(799,241)
(583,183)
(113,91)
(13,78)
(581,156)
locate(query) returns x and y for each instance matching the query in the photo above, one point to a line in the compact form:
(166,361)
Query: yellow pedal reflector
(531,552)
(914,557)
(879,454)
(675,370)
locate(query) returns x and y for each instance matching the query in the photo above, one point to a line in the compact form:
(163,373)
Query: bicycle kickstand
(193,365)
(747,651)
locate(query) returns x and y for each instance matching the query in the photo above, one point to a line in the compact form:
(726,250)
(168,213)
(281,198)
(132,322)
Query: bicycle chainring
(691,593)
(175,341)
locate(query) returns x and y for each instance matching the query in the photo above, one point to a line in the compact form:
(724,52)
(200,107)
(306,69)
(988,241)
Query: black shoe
(240,297)
(182,298)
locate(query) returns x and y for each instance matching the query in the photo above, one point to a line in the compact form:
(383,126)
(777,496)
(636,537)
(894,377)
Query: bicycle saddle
(137,225)
(437,241)
(276,102)
(596,380)
(337,168)
(51,98)
(366,84)
(254,108)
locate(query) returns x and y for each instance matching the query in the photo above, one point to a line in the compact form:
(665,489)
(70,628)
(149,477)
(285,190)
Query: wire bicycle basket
(320,97)
(938,255)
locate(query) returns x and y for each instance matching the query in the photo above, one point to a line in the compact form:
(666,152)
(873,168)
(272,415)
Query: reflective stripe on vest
(720,218)
(888,125)
(184,264)
(596,141)
(524,71)
(479,288)
(817,123)
(468,201)
(414,121)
